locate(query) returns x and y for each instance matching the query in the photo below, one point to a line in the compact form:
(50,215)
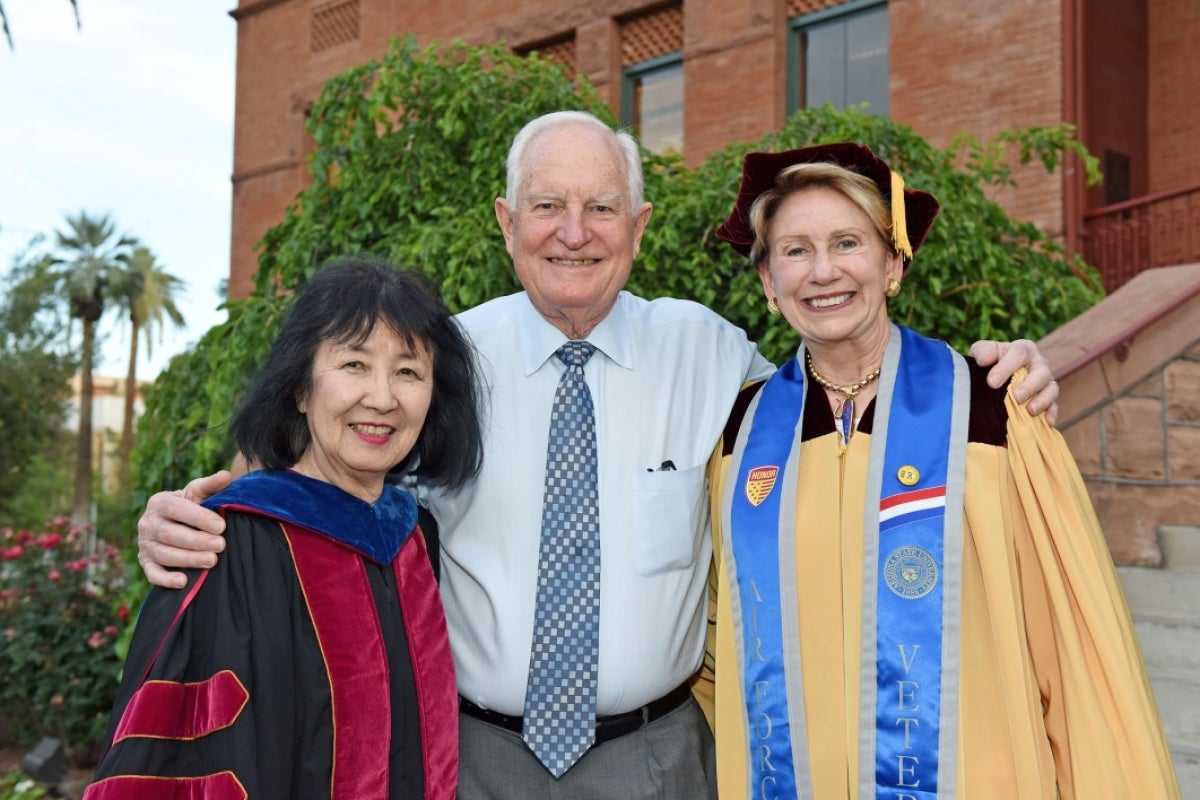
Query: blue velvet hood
(375,530)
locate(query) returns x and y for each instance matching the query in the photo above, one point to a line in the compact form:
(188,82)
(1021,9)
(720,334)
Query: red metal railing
(1158,230)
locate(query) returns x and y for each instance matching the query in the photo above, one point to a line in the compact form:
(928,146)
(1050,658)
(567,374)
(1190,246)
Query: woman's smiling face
(365,410)
(827,268)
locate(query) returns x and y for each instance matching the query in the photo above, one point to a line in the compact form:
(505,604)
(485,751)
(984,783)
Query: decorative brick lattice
(334,23)
(798,8)
(561,52)
(651,35)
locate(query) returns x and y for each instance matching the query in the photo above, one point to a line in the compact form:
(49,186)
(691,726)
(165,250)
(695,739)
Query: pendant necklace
(845,408)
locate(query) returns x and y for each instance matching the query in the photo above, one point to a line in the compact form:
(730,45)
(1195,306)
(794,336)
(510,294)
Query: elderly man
(574,569)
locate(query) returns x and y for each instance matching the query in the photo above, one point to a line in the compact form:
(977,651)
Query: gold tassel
(899,220)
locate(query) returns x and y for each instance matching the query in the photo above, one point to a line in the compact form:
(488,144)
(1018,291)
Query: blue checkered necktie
(560,698)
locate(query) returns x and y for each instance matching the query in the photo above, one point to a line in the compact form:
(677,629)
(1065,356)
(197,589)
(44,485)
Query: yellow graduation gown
(1054,692)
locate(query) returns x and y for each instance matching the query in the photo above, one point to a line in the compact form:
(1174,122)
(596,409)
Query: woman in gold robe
(912,594)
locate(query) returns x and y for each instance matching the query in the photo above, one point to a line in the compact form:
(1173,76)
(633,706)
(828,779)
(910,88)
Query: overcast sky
(131,115)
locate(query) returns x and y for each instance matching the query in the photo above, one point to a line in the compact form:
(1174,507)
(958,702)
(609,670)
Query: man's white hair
(626,144)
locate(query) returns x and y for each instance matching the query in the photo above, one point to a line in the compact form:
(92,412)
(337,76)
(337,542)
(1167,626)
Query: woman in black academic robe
(313,660)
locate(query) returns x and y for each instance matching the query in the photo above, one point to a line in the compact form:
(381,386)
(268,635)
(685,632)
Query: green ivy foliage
(410,154)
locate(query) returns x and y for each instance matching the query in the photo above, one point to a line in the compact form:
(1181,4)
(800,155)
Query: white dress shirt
(663,380)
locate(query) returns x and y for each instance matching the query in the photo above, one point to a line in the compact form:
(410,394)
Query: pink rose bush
(60,615)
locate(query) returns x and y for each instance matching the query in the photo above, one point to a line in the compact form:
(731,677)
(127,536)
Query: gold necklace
(850,390)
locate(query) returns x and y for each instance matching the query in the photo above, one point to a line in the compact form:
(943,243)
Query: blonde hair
(858,189)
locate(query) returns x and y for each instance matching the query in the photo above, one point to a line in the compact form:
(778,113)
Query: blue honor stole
(912,564)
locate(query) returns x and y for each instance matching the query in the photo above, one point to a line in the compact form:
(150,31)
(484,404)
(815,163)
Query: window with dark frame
(652,103)
(652,77)
(839,56)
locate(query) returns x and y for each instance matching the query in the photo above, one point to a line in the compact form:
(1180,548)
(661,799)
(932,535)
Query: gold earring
(772,307)
(893,288)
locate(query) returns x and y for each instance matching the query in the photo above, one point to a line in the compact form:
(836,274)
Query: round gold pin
(908,475)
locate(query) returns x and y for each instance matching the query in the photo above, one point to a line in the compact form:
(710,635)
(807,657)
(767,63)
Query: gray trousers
(672,758)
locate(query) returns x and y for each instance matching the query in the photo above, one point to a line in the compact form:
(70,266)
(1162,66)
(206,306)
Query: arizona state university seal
(910,572)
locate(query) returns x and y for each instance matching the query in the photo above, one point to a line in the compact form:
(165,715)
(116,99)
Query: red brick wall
(258,205)
(982,66)
(734,73)
(278,77)
(1174,115)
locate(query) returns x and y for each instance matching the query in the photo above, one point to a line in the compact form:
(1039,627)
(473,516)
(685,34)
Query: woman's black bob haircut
(344,302)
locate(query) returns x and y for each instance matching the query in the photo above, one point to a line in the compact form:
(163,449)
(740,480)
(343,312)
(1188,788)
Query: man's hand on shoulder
(1039,390)
(177,532)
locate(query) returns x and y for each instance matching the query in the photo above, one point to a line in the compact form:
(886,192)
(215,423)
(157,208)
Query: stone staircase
(1166,610)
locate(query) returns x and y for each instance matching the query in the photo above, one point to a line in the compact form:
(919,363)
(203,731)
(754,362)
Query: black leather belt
(607,728)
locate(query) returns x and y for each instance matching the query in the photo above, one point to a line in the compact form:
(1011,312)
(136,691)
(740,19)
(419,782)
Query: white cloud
(133,116)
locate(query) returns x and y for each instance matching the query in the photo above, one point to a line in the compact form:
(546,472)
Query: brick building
(697,74)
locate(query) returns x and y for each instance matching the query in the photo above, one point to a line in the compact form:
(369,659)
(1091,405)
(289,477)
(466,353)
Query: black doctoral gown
(311,662)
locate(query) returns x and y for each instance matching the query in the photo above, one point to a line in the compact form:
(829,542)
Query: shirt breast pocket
(668,516)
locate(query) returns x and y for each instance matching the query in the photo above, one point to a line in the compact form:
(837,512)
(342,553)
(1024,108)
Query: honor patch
(910,572)
(759,483)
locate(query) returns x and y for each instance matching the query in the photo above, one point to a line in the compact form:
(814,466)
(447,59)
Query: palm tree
(91,256)
(151,305)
